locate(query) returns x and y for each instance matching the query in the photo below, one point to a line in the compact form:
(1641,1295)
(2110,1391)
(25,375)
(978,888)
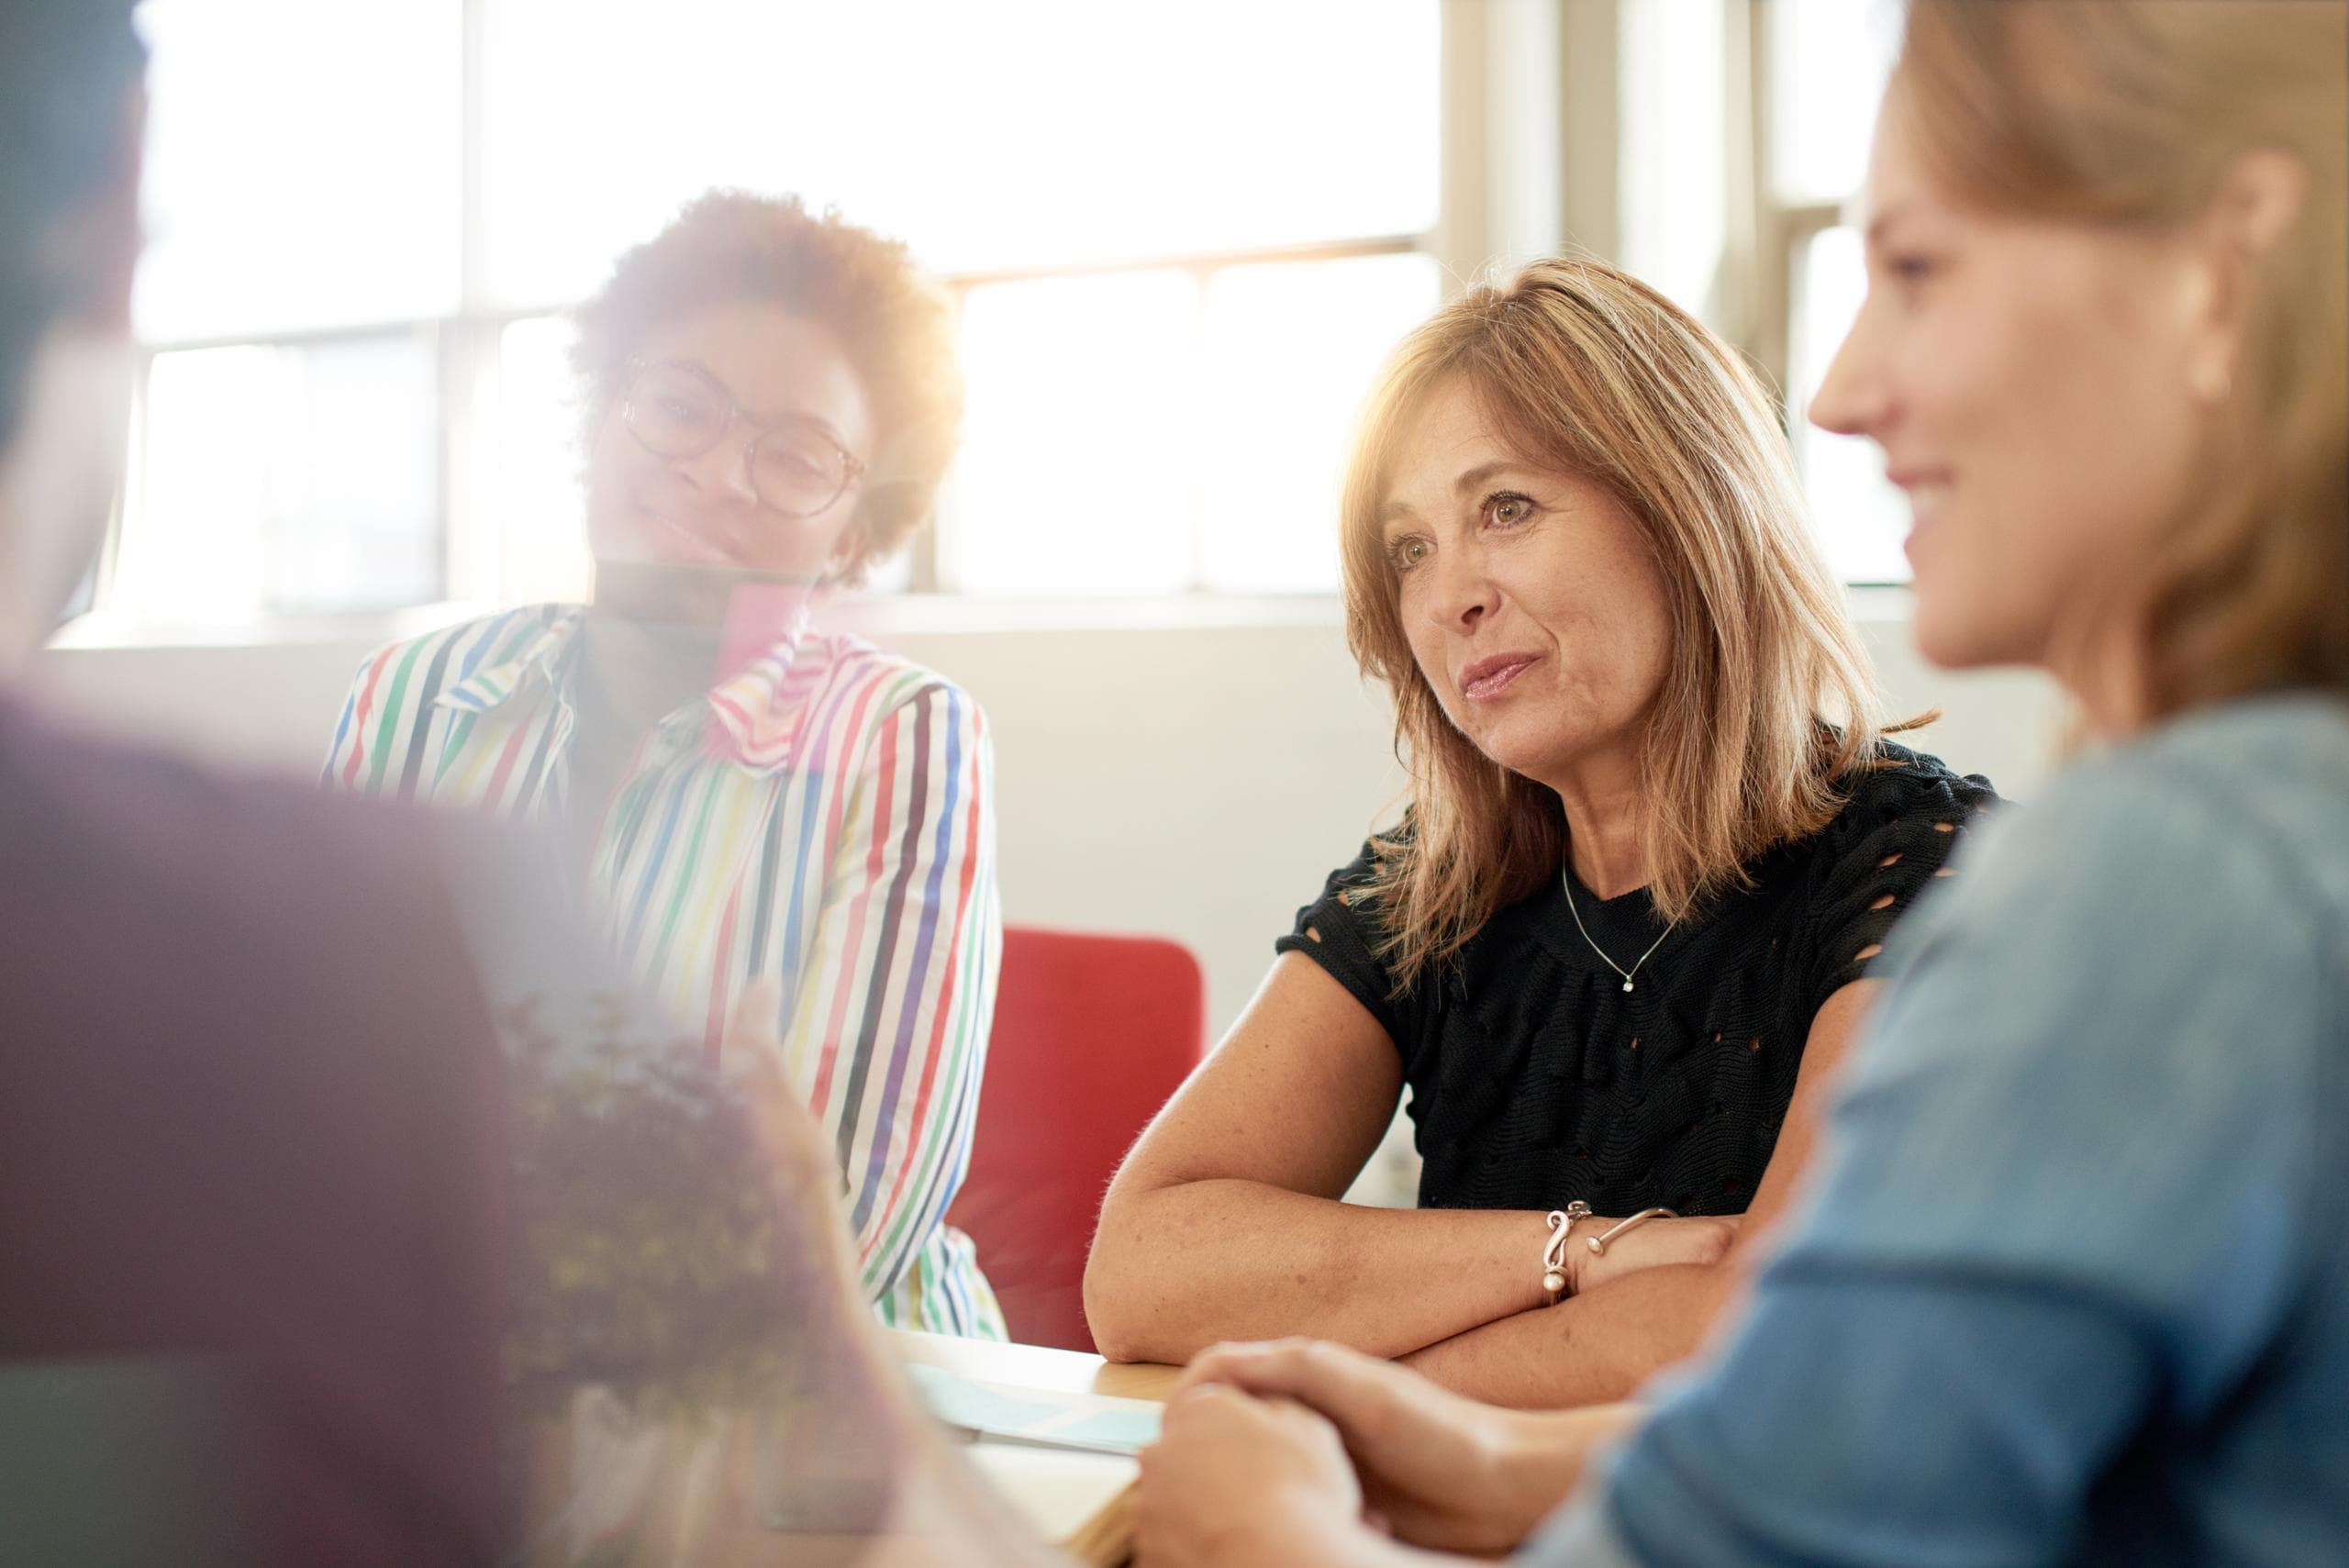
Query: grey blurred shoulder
(2264,780)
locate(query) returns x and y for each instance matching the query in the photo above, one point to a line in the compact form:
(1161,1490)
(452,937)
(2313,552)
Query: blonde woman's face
(2033,386)
(1534,610)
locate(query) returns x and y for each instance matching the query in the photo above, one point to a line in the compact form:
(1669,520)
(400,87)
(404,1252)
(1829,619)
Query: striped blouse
(823,818)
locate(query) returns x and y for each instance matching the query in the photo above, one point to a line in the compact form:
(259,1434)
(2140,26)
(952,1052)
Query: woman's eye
(1508,508)
(1910,269)
(1406,553)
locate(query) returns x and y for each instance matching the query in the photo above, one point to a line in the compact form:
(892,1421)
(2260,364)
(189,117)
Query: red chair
(1091,1034)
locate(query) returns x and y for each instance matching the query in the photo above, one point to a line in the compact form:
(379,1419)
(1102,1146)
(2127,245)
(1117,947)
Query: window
(1181,238)
(1675,133)
(303,166)
(1824,68)
(289,478)
(1742,130)
(288,452)
(1165,429)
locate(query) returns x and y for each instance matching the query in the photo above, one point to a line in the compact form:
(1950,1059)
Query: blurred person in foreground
(1655,836)
(327,1224)
(250,1198)
(2072,1285)
(771,399)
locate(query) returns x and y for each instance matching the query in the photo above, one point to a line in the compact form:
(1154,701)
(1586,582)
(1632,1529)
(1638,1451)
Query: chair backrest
(1091,1034)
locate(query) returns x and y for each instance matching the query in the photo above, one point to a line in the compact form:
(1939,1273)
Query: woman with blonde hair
(2072,1286)
(1654,839)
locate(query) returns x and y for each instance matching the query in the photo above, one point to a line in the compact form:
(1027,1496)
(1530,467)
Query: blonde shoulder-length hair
(1768,705)
(2130,115)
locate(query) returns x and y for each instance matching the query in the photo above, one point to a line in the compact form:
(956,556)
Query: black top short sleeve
(1537,1077)
(1891,841)
(1341,932)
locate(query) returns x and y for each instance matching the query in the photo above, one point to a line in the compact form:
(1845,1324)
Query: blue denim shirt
(2072,1286)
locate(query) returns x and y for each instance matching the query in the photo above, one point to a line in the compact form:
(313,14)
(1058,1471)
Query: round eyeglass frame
(852,467)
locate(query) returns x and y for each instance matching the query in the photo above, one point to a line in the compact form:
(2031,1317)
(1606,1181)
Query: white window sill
(879,616)
(1880,604)
(106,629)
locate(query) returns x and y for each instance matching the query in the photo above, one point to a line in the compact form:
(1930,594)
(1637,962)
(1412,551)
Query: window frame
(465,344)
(1558,61)
(1780,230)
(1770,232)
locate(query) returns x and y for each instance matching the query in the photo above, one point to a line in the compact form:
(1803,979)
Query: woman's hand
(1233,1478)
(1439,1470)
(1653,1243)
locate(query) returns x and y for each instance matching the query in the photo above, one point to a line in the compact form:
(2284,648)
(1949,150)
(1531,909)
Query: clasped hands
(1299,1452)
(1304,1452)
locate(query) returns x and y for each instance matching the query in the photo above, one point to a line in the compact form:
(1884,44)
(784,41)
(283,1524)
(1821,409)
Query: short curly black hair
(66,67)
(896,324)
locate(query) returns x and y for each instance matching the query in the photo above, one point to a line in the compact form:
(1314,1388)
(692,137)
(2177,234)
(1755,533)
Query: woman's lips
(1927,491)
(683,542)
(1488,678)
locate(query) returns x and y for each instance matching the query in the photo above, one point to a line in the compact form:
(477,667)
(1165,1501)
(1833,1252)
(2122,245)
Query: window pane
(528,462)
(301,164)
(1862,519)
(1673,149)
(1829,61)
(1291,351)
(290,479)
(1080,453)
(997,135)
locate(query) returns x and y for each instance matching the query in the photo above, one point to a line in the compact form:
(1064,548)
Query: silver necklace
(1566,881)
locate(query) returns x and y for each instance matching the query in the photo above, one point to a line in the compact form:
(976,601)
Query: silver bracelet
(1599,1243)
(1554,1255)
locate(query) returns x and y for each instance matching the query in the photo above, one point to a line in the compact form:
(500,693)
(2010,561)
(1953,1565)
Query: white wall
(1154,773)
(1160,776)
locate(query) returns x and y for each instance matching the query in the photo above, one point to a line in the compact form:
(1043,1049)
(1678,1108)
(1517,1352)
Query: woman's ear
(2252,208)
(851,555)
(2246,215)
(845,554)
(2258,200)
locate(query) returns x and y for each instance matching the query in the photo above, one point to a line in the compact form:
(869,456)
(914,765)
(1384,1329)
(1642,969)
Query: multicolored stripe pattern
(825,818)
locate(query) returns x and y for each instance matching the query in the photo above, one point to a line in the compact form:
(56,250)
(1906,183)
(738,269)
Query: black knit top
(1536,1079)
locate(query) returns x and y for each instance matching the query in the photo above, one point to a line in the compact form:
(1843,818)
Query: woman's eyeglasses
(682,411)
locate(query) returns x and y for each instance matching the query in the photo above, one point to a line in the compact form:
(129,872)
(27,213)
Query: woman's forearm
(1179,1268)
(1587,1350)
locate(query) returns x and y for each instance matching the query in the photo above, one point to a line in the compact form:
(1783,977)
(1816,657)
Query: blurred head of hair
(69,79)
(71,111)
(895,323)
(1769,701)
(2130,113)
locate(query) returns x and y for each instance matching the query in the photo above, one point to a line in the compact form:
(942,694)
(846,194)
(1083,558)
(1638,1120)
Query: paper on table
(1061,1493)
(1057,1420)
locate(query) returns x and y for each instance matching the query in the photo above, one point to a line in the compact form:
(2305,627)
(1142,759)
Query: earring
(2212,382)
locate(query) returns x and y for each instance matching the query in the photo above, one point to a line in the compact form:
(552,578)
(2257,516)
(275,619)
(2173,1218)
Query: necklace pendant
(1627,985)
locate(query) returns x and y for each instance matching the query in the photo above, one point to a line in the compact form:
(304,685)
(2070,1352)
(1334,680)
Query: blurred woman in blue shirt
(2074,1284)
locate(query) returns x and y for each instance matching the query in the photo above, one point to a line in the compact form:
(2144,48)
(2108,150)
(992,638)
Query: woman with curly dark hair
(771,398)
